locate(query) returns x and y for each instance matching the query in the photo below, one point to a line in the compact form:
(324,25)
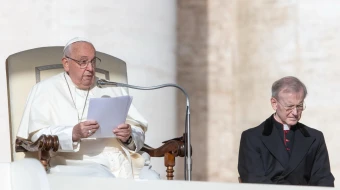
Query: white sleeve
(64,134)
(138,137)
(138,125)
(37,119)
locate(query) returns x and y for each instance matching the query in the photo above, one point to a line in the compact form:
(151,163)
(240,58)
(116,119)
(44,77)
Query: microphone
(188,162)
(102,82)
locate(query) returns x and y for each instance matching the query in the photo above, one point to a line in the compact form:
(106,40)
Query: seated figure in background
(281,150)
(59,106)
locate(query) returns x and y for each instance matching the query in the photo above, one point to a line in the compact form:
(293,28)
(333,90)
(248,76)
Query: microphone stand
(187,161)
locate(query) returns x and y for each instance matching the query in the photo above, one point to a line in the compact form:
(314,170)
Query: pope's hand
(84,129)
(122,132)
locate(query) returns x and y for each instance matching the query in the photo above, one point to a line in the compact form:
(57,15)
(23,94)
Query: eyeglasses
(83,63)
(299,108)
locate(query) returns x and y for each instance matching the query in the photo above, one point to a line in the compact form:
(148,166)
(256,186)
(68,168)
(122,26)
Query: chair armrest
(43,145)
(173,146)
(169,150)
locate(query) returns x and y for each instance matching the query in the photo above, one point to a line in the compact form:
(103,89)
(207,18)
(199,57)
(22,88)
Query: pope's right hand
(84,130)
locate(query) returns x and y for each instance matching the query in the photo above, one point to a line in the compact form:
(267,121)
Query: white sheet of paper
(109,113)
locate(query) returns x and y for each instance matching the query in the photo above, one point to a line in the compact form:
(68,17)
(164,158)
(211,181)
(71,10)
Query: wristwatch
(129,140)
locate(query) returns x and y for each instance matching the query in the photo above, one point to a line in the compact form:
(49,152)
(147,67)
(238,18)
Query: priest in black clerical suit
(281,150)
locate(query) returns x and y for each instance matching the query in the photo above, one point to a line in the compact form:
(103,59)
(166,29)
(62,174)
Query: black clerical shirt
(287,136)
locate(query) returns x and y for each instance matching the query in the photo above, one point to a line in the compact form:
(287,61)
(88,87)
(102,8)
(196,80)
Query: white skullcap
(76,39)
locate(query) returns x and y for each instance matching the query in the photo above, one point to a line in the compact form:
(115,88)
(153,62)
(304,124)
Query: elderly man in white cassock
(59,105)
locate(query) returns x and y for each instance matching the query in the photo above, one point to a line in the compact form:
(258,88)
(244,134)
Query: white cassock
(53,108)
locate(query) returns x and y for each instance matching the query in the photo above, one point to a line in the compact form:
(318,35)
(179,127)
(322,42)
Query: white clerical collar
(286,127)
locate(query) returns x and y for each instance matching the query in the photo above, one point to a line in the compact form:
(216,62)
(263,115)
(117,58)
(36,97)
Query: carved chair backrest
(26,68)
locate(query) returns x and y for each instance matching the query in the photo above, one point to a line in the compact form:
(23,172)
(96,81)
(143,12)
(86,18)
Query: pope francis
(59,105)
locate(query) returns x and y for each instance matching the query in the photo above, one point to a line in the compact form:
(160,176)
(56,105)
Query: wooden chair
(26,68)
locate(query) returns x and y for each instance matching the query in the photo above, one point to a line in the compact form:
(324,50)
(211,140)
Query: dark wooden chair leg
(169,162)
(44,157)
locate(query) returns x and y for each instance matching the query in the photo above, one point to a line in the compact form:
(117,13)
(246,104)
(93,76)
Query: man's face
(288,106)
(83,78)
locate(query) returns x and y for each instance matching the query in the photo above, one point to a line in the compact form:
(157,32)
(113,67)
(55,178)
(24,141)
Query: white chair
(26,68)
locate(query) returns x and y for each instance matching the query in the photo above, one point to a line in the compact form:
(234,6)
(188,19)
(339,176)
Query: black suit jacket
(263,158)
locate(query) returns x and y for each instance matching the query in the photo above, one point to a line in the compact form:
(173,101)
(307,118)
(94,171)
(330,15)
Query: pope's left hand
(123,132)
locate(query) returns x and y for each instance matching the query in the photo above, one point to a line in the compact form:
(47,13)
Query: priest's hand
(84,130)
(123,132)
